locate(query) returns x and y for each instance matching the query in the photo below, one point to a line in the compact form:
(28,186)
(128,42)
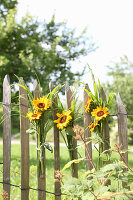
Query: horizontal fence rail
(30,188)
(111,115)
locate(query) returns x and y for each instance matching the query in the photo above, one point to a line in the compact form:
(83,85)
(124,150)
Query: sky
(109,23)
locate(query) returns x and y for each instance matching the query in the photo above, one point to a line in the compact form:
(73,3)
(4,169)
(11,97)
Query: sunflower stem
(64,139)
(38,146)
(70,150)
(100,164)
(42,140)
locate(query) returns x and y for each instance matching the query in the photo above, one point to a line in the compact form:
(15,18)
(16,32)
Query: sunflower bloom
(100,113)
(41,104)
(93,125)
(88,105)
(63,119)
(34,116)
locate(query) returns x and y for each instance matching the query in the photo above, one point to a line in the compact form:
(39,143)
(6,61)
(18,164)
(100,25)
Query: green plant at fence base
(4,195)
(92,185)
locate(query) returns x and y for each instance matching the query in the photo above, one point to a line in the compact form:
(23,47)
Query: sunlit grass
(64,157)
(15,170)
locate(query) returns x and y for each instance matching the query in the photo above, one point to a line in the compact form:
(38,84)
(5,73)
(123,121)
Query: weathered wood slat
(87,133)
(41,178)
(6,133)
(122,130)
(74,152)
(122,127)
(56,147)
(24,125)
(106,134)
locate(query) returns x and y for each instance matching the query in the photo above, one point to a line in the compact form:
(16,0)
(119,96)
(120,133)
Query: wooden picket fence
(24,125)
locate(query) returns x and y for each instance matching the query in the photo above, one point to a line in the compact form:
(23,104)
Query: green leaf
(71,162)
(124,150)
(110,99)
(96,138)
(99,88)
(72,108)
(31,131)
(47,146)
(96,91)
(60,105)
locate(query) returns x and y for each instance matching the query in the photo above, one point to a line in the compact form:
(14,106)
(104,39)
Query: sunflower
(34,116)
(64,119)
(88,105)
(100,113)
(41,104)
(93,125)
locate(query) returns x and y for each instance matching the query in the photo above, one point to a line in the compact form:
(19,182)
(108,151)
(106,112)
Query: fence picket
(42,178)
(6,134)
(74,152)
(122,129)
(106,134)
(24,125)
(87,133)
(56,147)
(122,126)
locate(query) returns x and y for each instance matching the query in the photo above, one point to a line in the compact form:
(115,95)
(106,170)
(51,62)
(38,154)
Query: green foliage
(29,48)
(121,74)
(93,184)
(71,162)
(5,6)
(97,96)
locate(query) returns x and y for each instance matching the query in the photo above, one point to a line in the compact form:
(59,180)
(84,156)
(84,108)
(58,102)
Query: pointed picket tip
(36,89)
(35,85)
(85,94)
(121,107)
(6,90)
(21,79)
(119,98)
(67,87)
(103,95)
(6,80)
(51,86)
(86,86)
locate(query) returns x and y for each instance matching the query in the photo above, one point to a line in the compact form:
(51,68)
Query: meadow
(64,158)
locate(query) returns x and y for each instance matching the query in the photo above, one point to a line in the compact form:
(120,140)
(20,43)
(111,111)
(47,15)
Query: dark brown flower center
(92,126)
(41,105)
(100,113)
(34,115)
(63,119)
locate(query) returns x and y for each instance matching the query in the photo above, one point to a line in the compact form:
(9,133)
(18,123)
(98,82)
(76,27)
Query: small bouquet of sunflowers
(40,123)
(39,118)
(65,122)
(99,109)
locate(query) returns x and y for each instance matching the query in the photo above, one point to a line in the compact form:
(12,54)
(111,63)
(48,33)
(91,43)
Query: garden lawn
(15,169)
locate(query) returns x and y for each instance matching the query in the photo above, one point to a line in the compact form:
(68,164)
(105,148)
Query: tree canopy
(5,6)
(30,49)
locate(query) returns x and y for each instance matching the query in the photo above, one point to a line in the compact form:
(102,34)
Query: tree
(5,6)
(122,81)
(46,50)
